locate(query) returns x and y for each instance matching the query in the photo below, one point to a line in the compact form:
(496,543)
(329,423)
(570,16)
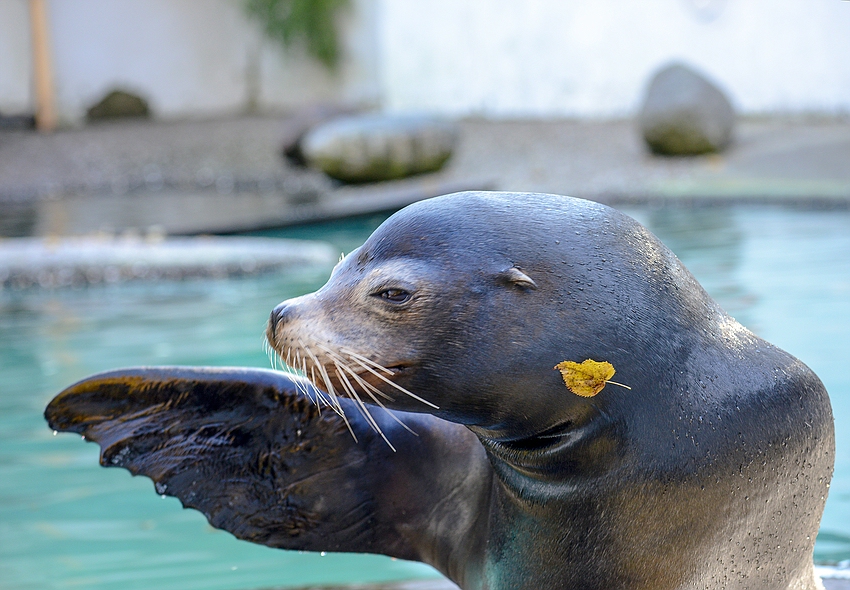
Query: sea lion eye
(394,295)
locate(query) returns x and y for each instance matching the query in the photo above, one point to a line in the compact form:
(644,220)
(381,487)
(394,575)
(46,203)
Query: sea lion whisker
(325,377)
(271,353)
(355,358)
(278,364)
(338,359)
(286,366)
(329,386)
(330,400)
(363,409)
(346,385)
(369,388)
(319,395)
(336,408)
(303,386)
(348,425)
(299,384)
(396,385)
(366,360)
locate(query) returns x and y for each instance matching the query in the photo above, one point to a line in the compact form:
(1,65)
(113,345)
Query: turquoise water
(67,523)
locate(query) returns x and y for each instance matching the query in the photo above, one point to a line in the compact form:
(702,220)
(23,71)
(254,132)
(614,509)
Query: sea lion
(711,471)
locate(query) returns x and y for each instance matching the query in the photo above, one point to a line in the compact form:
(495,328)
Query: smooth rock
(119,104)
(685,114)
(299,125)
(369,148)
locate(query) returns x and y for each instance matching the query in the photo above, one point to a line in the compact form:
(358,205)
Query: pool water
(67,523)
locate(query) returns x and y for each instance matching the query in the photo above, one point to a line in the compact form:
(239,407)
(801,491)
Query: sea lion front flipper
(257,458)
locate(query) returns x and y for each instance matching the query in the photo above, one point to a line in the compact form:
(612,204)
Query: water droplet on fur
(83,437)
(55,432)
(323,553)
(162,496)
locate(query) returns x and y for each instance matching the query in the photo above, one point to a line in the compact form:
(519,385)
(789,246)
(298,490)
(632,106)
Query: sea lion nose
(281,313)
(284,312)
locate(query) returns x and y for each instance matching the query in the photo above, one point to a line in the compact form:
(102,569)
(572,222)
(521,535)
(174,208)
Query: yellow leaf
(588,378)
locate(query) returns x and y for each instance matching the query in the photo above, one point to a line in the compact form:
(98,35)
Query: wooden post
(45,112)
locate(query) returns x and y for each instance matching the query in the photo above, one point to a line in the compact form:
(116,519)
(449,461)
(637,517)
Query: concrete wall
(593,57)
(187,57)
(457,57)
(15,75)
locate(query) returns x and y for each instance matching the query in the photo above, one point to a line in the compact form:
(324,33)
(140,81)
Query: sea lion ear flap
(515,276)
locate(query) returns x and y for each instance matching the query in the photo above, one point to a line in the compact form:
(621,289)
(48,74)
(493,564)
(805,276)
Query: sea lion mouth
(542,441)
(568,445)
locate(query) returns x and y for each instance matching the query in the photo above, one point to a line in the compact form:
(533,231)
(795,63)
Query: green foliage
(312,22)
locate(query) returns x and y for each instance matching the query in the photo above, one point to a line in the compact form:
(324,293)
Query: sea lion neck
(587,444)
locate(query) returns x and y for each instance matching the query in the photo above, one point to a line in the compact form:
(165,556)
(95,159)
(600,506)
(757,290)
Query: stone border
(69,262)
(187,212)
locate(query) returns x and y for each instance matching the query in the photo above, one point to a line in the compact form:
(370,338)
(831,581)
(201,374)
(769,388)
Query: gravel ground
(136,156)
(608,161)
(593,159)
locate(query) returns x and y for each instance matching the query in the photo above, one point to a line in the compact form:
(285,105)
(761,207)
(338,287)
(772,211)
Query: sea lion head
(462,305)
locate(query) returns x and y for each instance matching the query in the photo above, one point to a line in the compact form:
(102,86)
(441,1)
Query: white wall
(187,57)
(15,75)
(456,57)
(593,57)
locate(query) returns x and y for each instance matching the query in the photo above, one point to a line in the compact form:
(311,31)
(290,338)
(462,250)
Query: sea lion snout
(280,315)
(277,316)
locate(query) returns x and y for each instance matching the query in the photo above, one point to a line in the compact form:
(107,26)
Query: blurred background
(202,58)
(159,157)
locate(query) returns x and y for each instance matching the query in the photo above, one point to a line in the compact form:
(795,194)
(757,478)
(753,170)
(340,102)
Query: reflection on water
(65,522)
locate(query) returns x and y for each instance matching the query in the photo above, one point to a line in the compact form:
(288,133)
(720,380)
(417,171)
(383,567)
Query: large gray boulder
(369,148)
(685,114)
(300,123)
